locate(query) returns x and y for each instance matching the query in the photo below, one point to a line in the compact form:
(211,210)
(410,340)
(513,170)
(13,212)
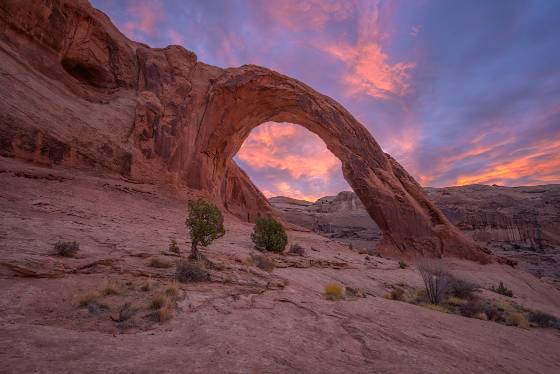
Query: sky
(459,92)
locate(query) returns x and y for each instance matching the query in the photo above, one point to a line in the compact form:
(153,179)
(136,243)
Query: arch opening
(304,183)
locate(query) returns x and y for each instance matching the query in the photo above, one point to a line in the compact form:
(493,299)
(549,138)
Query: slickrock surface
(77,92)
(243,319)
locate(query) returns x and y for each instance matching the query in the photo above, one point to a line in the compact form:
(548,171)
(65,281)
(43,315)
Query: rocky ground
(242,319)
(521,223)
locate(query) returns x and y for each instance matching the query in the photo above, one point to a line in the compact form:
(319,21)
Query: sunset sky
(459,92)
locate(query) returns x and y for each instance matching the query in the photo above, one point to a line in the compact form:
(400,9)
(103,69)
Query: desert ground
(243,319)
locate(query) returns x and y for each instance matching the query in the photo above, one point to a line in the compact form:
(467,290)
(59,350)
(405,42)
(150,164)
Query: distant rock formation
(76,91)
(520,222)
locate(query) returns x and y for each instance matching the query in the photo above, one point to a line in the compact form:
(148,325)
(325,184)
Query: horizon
(463,93)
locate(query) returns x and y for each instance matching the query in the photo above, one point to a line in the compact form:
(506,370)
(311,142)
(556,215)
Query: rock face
(76,91)
(522,223)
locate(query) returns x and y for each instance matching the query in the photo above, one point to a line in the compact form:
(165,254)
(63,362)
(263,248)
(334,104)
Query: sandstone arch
(244,98)
(159,115)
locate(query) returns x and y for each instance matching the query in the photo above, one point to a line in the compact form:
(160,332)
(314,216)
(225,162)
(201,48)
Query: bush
(518,320)
(402,264)
(186,271)
(461,288)
(159,263)
(355,291)
(395,294)
(542,319)
(173,247)
(436,281)
(296,249)
(502,290)
(172,290)
(110,289)
(205,223)
(269,235)
(159,301)
(262,262)
(66,249)
(334,291)
(456,301)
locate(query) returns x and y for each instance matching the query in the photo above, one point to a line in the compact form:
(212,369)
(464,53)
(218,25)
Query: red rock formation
(76,91)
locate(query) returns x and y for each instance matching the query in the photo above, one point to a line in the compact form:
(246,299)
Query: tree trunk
(195,254)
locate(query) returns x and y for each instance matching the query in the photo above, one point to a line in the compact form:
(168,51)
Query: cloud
(368,68)
(144,18)
(290,160)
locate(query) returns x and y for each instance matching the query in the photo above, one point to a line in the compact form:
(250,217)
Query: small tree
(269,235)
(205,223)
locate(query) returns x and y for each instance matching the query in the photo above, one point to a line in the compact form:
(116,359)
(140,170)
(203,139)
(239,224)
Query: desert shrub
(66,249)
(395,294)
(518,320)
(481,316)
(87,299)
(159,301)
(173,246)
(172,290)
(159,263)
(494,313)
(296,249)
(435,280)
(334,291)
(269,235)
(162,314)
(461,288)
(542,319)
(437,308)
(205,223)
(187,271)
(402,264)
(455,301)
(125,313)
(471,308)
(502,290)
(110,289)
(262,262)
(355,291)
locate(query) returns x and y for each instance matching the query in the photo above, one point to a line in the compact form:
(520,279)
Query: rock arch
(159,115)
(245,97)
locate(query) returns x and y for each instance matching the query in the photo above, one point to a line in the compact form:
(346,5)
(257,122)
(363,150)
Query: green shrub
(269,235)
(502,290)
(66,249)
(205,223)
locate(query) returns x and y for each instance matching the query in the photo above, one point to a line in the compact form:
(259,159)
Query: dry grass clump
(262,262)
(355,291)
(110,289)
(159,301)
(163,314)
(502,290)
(334,291)
(159,263)
(296,249)
(88,299)
(517,319)
(174,247)
(456,301)
(396,293)
(403,264)
(191,271)
(66,249)
(172,290)
(162,307)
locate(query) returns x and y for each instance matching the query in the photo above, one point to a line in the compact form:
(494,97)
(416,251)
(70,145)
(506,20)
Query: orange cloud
(291,156)
(540,164)
(288,147)
(368,67)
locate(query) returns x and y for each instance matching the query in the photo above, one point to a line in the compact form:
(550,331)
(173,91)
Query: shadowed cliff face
(77,92)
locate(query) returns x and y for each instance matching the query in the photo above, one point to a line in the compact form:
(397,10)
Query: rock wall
(76,91)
